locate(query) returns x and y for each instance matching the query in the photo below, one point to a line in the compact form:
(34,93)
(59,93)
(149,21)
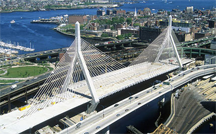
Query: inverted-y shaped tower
(79,55)
(172,41)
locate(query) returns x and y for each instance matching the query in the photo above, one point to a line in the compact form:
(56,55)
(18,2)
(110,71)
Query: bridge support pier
(163,101)
(114,47)
(26,96)
(9,103)
(122,46)
(199,52)
(182,50)
(190,53)
(107,130)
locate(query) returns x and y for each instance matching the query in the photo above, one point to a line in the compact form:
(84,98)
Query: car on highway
(117,115)
(116,105)
(78,125)
(97,127)
(130,98)
(126,110)
(136,97)
(139,103)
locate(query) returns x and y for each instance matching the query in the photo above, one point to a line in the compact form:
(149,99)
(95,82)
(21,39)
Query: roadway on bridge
(110,83)
(129,76)
(111,114)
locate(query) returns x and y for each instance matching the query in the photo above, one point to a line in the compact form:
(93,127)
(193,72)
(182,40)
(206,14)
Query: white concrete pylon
(172,41)
(95,99)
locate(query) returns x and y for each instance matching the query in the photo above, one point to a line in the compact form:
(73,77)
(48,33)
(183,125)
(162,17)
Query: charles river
(43,37)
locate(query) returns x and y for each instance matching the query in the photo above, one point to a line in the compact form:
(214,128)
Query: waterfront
(43,37)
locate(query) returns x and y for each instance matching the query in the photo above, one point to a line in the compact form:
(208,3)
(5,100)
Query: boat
(12,22)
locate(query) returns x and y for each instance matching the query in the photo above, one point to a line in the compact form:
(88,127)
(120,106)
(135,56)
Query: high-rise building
(148,34)
(189,9)
(100,12)
(212,23)
(109,12)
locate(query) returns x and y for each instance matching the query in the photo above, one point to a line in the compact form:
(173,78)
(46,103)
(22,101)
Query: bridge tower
(79,55)
(172,41)
(168,41)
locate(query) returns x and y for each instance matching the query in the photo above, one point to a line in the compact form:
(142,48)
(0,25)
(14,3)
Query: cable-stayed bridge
(91,76)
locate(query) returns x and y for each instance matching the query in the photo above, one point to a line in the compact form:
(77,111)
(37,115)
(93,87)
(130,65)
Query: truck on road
(14,86)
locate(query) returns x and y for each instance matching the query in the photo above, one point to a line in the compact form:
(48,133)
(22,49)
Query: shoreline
(72,8)
(84,37)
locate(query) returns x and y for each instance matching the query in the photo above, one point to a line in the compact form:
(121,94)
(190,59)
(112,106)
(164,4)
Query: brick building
(82,19)
(119,11)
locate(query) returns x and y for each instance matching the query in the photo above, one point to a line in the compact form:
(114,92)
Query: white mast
(172,41)
(95,99)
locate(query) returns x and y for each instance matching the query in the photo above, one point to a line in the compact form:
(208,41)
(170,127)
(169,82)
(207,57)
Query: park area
(23,72)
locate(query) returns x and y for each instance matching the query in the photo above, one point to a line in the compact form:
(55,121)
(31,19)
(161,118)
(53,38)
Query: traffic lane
(161,90)
(102,114)
(7,90)
(112,116)
(137,99)
(134,103)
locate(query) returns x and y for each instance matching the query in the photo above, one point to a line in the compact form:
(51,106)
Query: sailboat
(13,21)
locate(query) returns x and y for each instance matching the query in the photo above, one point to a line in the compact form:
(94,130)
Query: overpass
(104,118)
(201,42)
(23,89)
(56,97)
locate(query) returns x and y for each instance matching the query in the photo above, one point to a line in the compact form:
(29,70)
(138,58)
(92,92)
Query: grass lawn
(23,72)
(1,71)
(7,81)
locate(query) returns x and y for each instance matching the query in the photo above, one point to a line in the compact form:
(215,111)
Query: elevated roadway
(127,77)
(113,113)
(23,89)
(202,42)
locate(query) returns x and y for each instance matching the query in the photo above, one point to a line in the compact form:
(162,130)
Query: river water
(43,37)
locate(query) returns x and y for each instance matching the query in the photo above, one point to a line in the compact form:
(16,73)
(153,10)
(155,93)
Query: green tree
(112,28)
(120,37)
(104,35)
(127,35)
(136,24)
(129,20)
(121,20)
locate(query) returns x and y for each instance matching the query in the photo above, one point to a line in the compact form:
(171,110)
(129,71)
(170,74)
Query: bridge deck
(115,81)
(127,77)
